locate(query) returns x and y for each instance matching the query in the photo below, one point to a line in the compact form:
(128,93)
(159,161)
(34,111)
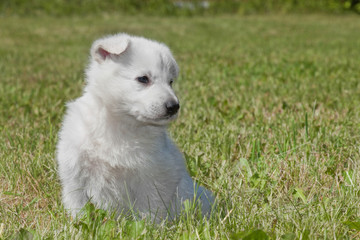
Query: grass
(269,122)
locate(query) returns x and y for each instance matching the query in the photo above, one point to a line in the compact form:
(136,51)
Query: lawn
(269,122)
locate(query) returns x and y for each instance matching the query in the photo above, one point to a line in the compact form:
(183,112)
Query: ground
(269,122)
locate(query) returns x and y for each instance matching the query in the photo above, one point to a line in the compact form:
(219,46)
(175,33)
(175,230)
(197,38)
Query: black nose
(172,107)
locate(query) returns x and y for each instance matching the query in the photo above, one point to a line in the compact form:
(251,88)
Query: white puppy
(114,150)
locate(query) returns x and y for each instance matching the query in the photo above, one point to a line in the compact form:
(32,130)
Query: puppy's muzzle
(172,107)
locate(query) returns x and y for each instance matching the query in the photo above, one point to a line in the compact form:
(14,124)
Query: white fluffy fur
(114,150)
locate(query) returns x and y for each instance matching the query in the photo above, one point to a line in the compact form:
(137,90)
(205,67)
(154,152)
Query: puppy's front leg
(74,198)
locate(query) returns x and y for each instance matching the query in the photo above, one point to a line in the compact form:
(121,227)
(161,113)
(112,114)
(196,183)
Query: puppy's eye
(143,80)
(171,82)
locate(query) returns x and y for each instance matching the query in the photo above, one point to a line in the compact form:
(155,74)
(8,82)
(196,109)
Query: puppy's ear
(109,47)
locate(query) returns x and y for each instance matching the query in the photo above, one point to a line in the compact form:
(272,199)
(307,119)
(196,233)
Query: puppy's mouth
(162,120)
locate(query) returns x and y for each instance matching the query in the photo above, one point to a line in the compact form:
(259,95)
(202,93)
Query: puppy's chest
(128,154)
(131,171)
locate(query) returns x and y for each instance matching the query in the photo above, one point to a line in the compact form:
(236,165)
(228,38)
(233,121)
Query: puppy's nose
(172,107)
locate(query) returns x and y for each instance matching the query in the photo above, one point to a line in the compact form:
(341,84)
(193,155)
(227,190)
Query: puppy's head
(133,76)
